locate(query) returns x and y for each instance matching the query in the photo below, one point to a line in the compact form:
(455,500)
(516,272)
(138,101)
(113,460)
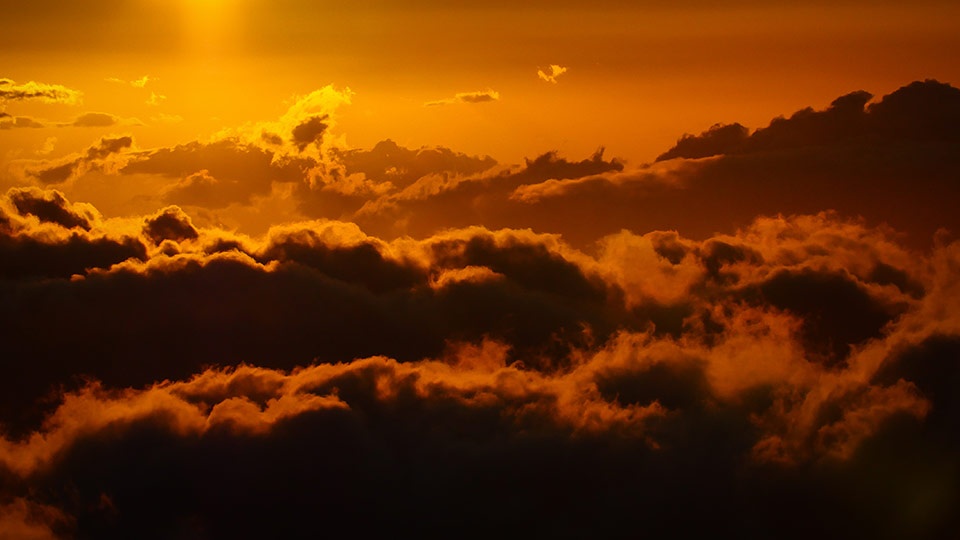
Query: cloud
(106,155)
(365,363)
(90,119)
(51,206)
(171,223)
(136,83)
(480,96)
(155,99)
(309,131)
(43,92)
(554,72)
(15,122)
(921,111)
(473,338)
(95,119)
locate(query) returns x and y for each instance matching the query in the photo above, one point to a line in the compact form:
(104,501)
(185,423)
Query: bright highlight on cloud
(43,92)
(552,74)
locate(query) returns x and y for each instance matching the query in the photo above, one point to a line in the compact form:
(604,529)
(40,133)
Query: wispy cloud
(136,83)
(480,96)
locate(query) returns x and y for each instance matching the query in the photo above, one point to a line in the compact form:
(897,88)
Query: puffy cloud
(44,92)
(647,370)
(51,206)
(480,96)
(163,373)
(171,223)
(551,75)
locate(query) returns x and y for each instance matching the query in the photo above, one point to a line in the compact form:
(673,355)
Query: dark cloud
(105,155)
(171,223)
(51,206)
(719,139)
(520,370)
(168,379)
(389,162)
(217,174)
(308,132)
(433,203)
(95,119)
(64,243)
(921,111)
(850,158)
(16,122)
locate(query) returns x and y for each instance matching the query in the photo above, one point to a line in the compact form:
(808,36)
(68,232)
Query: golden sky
(639,75)
(274,269)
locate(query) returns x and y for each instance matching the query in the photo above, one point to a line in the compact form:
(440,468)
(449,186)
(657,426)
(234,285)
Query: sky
(555,269)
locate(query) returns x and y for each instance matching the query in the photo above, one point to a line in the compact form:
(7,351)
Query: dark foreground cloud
(193,382)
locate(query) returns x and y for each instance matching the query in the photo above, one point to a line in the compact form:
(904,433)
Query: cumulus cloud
(542,346)
(480,96)
(552,73)
(43,92)
(921,111)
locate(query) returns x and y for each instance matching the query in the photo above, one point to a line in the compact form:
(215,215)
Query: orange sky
(280,268)
(640,74)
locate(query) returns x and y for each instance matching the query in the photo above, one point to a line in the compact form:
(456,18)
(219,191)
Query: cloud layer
(429,342)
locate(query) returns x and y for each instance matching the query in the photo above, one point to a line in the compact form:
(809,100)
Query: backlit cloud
(43,92)
(569,345)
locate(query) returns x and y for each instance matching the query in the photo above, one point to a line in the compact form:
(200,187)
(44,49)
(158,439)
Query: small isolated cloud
(47,147)
(141,82)
(551,77)
(480,96)
(47,93)
(95,119)
(136,83)
(156,99)
(163,118)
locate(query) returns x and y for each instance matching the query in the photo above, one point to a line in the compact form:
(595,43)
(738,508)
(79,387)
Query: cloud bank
(424,341)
